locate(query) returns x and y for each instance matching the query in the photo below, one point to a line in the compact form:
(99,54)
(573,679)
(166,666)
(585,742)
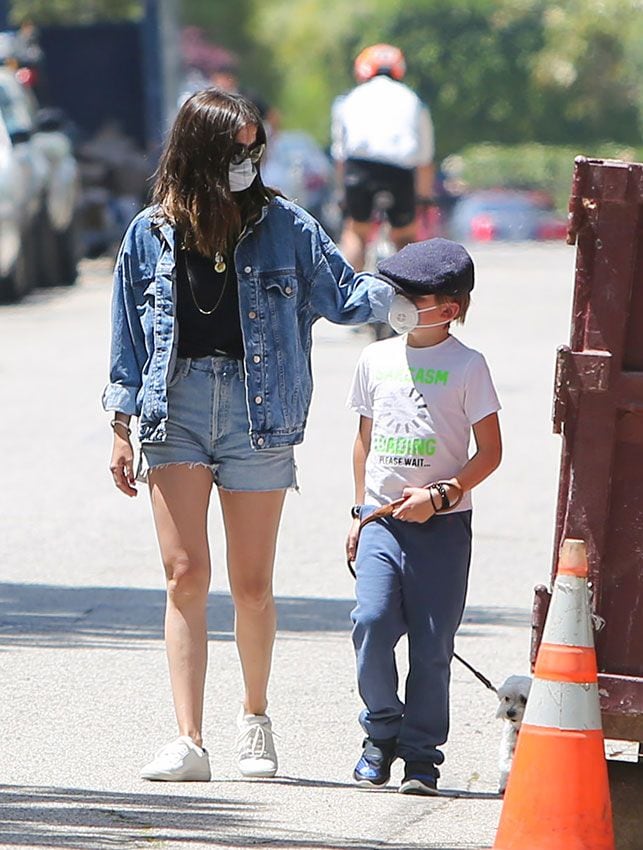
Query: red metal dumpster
(598,409)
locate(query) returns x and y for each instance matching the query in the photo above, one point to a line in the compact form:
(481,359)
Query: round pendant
(219,263)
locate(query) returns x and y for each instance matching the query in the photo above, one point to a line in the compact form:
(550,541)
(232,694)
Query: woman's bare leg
(251,523)
(180,497)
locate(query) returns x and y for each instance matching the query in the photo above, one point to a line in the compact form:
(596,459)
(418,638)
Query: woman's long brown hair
(191,186)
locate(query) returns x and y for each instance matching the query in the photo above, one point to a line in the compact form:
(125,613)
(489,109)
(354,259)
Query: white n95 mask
(404,316)
(241,175)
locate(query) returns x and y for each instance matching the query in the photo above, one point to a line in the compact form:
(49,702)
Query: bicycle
(379,247)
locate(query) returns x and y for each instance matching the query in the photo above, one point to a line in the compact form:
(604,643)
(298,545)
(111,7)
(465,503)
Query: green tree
(504,71)
(230,24)
(527,70)
(591,66)
(74,11)
(471,64)
(313,44)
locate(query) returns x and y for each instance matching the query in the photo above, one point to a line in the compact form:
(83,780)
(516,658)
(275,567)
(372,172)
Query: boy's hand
(416,506)
(351,540)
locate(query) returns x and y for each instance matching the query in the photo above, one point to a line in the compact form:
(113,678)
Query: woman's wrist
(121,427)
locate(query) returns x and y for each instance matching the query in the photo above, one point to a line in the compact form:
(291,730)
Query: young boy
(418,397)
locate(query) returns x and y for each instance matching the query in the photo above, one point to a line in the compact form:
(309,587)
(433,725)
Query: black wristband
(355,511)
(442,490)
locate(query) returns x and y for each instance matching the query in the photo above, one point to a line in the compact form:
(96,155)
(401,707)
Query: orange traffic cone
(557,797)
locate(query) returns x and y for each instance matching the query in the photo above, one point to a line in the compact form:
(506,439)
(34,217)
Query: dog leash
(386,511)
(476,673)
(378,513)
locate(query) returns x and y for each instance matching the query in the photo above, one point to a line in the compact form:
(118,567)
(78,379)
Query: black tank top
(215,328)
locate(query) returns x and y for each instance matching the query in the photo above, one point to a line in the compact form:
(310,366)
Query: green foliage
(471,68)
(230,25)
(507,71)
(532,166)
(74,11)
(313,44)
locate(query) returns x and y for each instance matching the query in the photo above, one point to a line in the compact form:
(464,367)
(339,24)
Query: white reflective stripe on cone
(568,619)
(563,705)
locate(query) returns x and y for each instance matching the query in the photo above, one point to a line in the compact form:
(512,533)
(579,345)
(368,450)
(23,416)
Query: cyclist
(382,140)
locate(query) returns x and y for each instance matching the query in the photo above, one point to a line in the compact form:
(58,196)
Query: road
(85,696)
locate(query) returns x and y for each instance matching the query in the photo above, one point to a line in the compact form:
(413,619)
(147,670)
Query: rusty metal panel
(598,409)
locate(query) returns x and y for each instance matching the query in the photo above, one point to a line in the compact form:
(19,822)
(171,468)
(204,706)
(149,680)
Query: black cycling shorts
(364,179)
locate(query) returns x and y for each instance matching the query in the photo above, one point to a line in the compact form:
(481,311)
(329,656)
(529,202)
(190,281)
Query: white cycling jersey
(382,121)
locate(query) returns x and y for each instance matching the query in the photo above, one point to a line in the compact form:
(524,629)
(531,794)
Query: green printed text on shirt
(417,376)
(410,446)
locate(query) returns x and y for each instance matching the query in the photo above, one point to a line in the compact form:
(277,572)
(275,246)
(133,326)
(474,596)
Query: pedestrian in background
(418,397)
(382,141)
(216,288)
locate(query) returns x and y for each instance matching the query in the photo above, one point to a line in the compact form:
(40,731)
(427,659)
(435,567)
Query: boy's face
(446,311)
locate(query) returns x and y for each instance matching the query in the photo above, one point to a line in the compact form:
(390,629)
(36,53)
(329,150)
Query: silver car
(18,178)
(51,175)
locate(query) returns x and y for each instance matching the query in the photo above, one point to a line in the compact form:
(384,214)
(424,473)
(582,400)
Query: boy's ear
(451,310)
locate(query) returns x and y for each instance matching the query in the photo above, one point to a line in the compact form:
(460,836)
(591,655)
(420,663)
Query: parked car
(507,214)
(45,154)
(297,166)
(17,182)
(59,212)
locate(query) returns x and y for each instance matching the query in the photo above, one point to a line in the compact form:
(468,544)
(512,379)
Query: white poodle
(513,695)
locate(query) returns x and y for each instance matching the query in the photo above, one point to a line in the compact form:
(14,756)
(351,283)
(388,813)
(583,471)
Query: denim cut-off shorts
(208,426)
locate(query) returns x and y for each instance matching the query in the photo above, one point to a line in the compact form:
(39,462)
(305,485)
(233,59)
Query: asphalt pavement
(85,697)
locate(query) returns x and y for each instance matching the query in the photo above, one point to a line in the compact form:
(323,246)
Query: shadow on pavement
(453,793)
(80,819)
(51,616)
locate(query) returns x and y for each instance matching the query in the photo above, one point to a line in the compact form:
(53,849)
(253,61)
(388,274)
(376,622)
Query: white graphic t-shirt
(423,402)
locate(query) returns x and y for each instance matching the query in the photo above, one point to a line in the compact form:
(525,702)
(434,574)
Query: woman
(216,288)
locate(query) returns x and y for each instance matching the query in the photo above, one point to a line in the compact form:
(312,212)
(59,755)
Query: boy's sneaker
(256,745)
(420,777)
(373,770)
(180,761)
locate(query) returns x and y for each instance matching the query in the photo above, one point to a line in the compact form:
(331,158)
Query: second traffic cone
(557,797)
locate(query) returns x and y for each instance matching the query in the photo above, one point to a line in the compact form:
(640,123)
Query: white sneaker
(179,761)
(256,745)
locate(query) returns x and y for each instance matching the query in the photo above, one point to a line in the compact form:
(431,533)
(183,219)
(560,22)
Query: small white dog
(513,695)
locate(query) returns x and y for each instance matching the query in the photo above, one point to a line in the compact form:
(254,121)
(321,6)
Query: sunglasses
(240,153)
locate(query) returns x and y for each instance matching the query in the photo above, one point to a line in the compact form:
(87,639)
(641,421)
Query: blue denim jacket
(290,274)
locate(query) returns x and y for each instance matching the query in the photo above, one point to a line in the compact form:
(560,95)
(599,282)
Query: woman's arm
(128,356)
(128,351)
(121,464)
(339,294)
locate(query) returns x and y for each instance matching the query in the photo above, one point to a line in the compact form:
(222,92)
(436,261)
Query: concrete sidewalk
(85,693)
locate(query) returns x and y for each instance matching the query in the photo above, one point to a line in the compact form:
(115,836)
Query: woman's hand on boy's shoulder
(416,507)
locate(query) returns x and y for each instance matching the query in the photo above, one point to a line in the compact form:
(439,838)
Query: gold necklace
(220,266)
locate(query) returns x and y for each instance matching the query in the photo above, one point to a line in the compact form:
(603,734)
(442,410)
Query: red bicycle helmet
(380,59)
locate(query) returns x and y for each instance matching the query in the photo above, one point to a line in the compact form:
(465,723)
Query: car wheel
(46,255)
(19,282)
(67,255)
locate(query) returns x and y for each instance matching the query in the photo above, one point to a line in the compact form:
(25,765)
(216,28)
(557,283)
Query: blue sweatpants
(411,579)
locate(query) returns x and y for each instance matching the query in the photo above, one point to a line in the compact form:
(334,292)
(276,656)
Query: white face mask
(241,176)
(404,316)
